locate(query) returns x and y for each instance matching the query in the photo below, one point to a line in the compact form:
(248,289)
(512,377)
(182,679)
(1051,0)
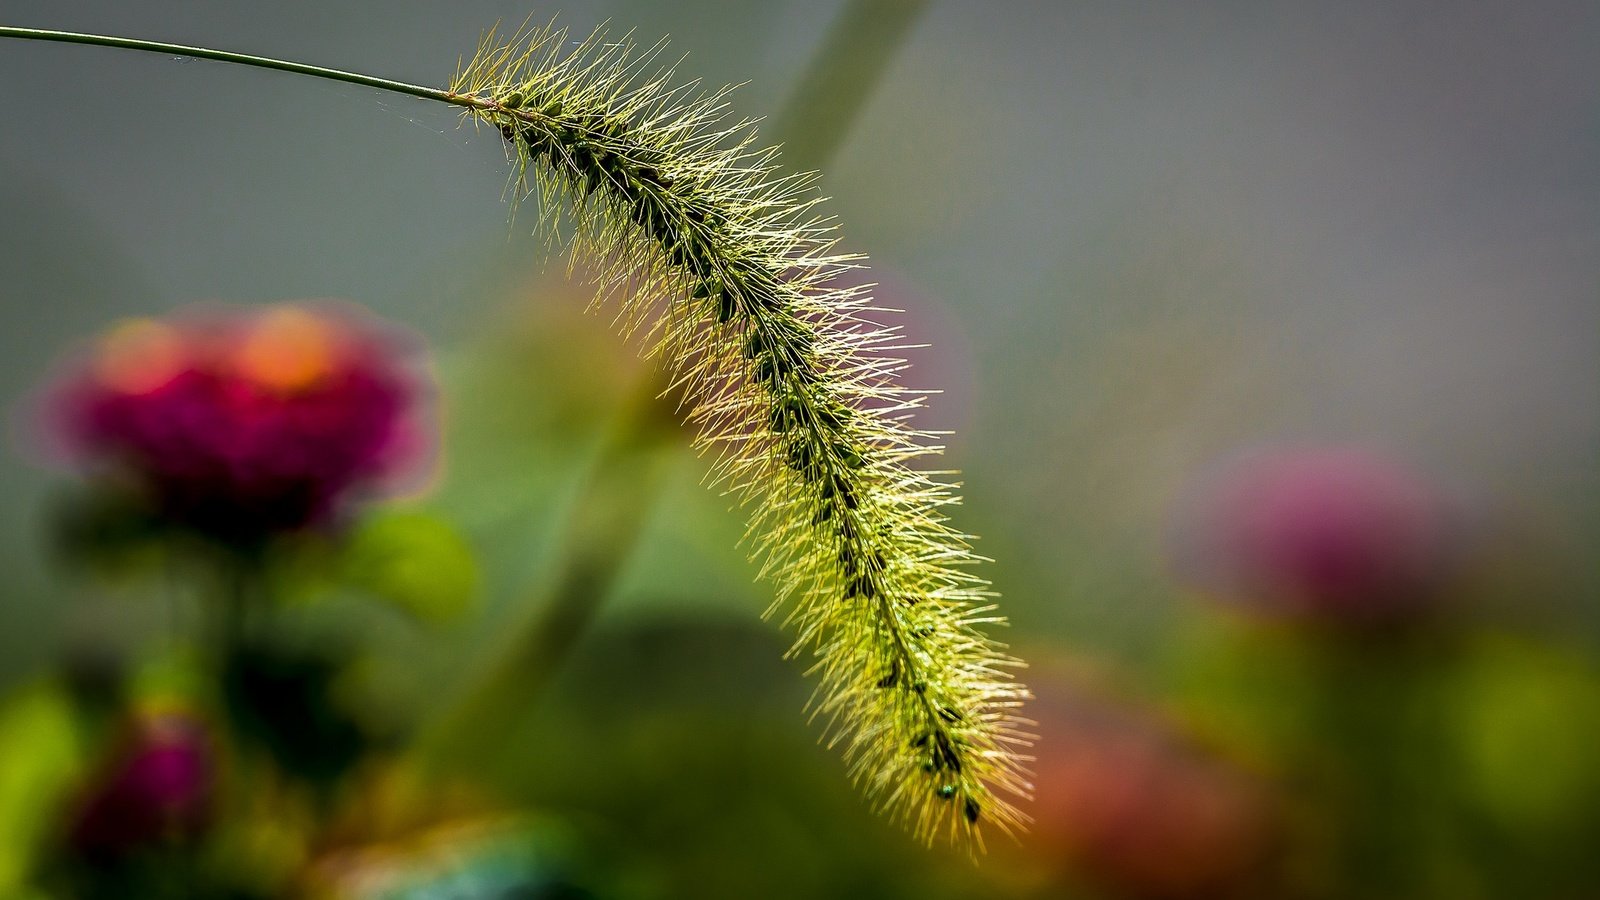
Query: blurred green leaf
(416,561)
(40,749)
(1529,721)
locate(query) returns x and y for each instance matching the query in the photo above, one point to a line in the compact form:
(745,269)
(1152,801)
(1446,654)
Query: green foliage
(1529,719)
(416,561)
(40,746)
(726,267)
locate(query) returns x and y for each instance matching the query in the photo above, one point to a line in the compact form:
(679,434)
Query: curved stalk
(242,59)
(724,262)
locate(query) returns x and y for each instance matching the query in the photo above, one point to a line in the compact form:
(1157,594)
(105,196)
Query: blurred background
(1270,340)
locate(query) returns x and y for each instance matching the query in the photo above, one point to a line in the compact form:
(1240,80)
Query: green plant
(726,264)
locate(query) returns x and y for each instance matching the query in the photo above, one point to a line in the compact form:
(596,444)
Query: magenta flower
(157,787)
(1335,534)
(241,425)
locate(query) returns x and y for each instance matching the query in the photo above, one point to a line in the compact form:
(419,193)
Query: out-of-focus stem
(237,586)
(604,529)
(840,78)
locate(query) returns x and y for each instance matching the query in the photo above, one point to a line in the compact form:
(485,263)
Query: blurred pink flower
(1334,534)
(1125,799)
(240,425)
(157,787)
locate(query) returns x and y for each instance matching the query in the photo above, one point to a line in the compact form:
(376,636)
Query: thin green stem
(243,59)
(241,593)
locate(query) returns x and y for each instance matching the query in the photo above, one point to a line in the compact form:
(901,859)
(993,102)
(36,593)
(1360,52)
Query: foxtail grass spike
(735,277)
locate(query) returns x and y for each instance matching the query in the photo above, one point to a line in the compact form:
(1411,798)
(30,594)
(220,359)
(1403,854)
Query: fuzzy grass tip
(726,266)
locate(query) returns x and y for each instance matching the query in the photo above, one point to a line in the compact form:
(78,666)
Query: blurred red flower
(240,425)
(1340,535)
(157,787)
(1130,802)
